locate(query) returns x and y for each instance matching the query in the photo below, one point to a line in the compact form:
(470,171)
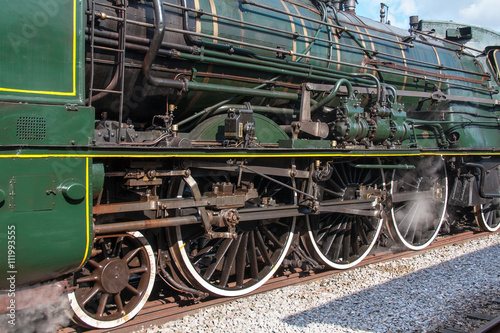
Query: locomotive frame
(191,139)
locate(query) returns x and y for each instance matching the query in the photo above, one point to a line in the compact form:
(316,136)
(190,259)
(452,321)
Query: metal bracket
(482,181)
(305,123)
(205,218)
(71,107)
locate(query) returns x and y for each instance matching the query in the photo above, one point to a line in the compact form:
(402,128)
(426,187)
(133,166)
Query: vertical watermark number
(11,273)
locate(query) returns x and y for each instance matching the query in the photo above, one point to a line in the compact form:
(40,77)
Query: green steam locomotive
(214,144)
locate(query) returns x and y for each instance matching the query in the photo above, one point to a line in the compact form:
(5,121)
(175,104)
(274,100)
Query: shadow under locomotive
(379,308)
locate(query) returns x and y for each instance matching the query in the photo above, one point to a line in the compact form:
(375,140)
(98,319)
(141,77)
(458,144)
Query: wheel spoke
(90,278)
(94,263)
(262,247)
(131,255)
(132,290)
(415,223)
(339,248)
(102,304)
(362,234)
(119,304)
(488,216)
(333,193)
(206,251)
(271,237)
(252,256)
(341,240)
(354,236)
(90,295)
(330,226)
(138,270)
(229,262)
(333,186)
(241,260)
(411,214)
(219,258)
(104,250)
(95,307)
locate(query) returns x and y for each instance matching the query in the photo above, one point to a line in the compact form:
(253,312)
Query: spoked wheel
(341,240)
(234,267)
(115,283)
(488,215)
(419,200)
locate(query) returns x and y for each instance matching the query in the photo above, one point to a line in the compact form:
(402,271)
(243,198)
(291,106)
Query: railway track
(488,323)
(162,310)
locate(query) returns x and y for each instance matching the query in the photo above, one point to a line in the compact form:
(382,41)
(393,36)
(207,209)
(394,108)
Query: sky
(484,13)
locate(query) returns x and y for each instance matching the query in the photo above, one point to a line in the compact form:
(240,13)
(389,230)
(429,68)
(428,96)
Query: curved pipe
(375,79)
(333,94)
(394,93)
(185,85)
(154,47)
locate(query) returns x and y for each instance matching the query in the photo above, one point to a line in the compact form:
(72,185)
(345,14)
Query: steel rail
(169,308)
(491,326)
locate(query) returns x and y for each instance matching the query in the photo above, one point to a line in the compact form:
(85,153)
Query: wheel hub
(114,275)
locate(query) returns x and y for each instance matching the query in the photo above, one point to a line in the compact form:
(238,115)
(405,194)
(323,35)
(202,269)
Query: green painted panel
(43,199)
(36,124)
(41,50)
(52,236)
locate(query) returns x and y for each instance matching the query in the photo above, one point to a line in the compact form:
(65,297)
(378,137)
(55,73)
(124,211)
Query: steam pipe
(189,34)
(333,94)
(185,85)
(159,33)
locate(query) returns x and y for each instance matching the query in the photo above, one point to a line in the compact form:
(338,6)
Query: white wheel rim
(90,321)
(335,265)
(228,292)
(400,238)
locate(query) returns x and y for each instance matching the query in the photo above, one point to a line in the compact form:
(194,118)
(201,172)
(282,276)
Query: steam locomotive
(214,144)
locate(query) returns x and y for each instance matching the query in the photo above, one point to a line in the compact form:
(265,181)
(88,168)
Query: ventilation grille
(31,128)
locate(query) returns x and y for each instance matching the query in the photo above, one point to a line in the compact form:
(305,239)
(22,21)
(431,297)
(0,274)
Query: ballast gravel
(424,293)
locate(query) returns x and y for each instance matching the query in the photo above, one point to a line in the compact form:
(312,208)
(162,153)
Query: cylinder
(414,22)
(350,6)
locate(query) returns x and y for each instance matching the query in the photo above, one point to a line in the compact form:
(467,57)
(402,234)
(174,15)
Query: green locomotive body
(228,128)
